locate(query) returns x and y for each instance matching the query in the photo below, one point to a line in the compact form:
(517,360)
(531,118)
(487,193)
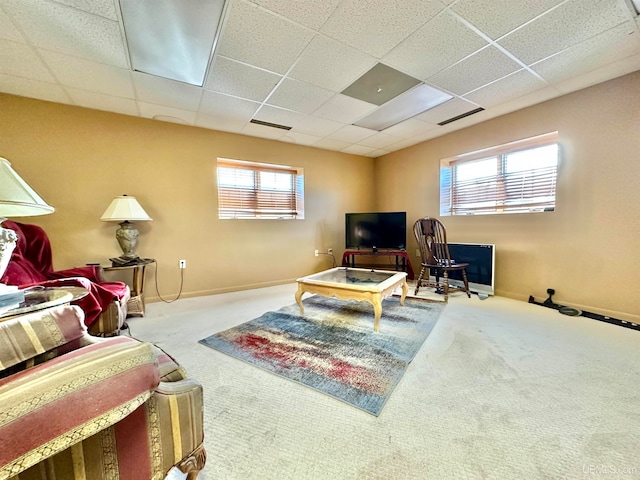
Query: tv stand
(402,261)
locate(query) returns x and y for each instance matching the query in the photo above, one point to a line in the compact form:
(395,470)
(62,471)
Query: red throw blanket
(31,264)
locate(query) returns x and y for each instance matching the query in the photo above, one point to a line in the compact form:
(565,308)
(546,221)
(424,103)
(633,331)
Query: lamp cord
(179,292)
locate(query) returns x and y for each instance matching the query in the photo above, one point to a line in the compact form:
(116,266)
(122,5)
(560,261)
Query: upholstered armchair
(31,264)
(76,406)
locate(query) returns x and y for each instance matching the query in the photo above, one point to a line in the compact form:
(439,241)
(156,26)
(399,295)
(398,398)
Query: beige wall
(79,159)
(588,250)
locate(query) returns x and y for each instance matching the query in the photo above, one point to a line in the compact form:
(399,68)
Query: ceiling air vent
(462,115)
(269,124)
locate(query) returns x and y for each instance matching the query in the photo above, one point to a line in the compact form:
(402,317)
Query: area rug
(333,347)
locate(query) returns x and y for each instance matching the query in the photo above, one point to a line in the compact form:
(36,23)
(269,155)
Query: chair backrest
(31,260)
(431,235)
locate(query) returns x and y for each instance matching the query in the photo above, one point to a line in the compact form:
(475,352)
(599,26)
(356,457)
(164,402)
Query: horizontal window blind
(514,178)
(254,190)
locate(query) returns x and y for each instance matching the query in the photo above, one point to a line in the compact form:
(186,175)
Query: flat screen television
(376,230)
(480,272)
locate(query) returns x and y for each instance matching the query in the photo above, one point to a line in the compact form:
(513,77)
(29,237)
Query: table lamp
(123,209)
(17,199)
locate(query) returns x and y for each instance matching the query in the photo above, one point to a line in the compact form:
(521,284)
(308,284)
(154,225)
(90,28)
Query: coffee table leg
(299,299)
(377,310)
(405,290)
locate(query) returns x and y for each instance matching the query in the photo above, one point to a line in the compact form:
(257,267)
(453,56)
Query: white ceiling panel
(569,24)
(241,80)
(439,43)
(485,66)
(287,62)
(258,37)
(376,26)
(299,96)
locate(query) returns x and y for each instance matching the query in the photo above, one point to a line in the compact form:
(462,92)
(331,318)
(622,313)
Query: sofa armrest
(47,408)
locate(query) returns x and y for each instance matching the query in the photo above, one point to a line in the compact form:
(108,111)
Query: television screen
(480,272)
(383,230)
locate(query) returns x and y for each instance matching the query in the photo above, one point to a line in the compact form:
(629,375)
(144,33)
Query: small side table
(39,298)
(135,305)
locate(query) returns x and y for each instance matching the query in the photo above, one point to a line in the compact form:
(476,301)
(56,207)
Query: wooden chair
(431,235)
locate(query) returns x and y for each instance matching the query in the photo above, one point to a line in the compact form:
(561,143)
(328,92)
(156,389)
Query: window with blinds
(258,190)
(518,177)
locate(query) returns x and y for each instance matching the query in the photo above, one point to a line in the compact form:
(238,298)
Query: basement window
(259,190)
(518,177)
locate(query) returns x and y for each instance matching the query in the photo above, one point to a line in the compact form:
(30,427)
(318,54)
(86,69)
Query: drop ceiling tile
(167,114)
(506,89)
(376,26)
(408,128)
(258,37)
(162,91)
(302,138)
(311,13)
(479,69)
(358,150)
(498,17)
(108,103)
(7,30)
(299,96)
(329,144)
(377,153)
(241,80)
(379,140)
(226,107)
(85,75)
(331,64)
(220,122)
(344,109)
(569,24)
(263,131)
(448,41)
(279,116)
(26,87)
(68,30)
(608,47)
(407,142)
(20,60)
(104,8)
(312,125)
(351,134)
(447,110)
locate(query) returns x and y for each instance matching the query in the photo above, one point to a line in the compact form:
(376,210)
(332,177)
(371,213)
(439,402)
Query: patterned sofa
(75,406)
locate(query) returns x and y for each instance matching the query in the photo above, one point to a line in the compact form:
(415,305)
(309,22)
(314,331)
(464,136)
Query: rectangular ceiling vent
(462,115)
(269,124)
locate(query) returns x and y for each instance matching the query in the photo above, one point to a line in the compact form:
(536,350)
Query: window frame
(254,202)
(528,190)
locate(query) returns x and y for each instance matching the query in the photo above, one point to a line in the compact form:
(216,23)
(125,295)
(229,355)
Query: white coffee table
(354,284)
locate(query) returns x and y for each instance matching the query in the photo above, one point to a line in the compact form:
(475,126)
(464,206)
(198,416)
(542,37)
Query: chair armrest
(91,272)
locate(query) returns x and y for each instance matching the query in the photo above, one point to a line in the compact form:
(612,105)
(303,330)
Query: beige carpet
(501,389)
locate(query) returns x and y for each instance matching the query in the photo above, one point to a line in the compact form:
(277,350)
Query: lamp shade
(124,208)
(17,199)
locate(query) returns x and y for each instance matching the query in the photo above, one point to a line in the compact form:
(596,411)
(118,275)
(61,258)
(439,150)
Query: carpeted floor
(502,389)
(333,347)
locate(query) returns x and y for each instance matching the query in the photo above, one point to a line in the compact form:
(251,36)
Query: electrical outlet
(183,264)
(315,252)
(330,251)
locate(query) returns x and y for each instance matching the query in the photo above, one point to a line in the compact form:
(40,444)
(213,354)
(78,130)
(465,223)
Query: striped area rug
(333,347)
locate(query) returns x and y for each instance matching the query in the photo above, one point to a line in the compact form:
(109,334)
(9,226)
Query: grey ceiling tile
(299,96)
(279,116)
(26,87)
(108,103)
(224,106)
(257,37)
(68,30)
(481,68)
(569,24)
(447,110)
(376,26)
(7,30)
(614,44)
(104,8)
(438,44)
(351,134)
(330,64)
(85,75)
(241,80)
(506,89)
(498,17)
(19,59)
(344,109)
(312,13)
(162,91)
(167,114)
